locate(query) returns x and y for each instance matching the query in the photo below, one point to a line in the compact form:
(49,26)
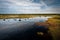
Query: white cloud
(51,10)
(27,6)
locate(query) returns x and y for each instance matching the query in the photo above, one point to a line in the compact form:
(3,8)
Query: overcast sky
(29,6)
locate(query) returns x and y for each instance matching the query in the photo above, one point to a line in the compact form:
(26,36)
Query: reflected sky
(13,26)
(16,20)
(17,23)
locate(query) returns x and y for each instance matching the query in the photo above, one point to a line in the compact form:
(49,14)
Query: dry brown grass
(54,28)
